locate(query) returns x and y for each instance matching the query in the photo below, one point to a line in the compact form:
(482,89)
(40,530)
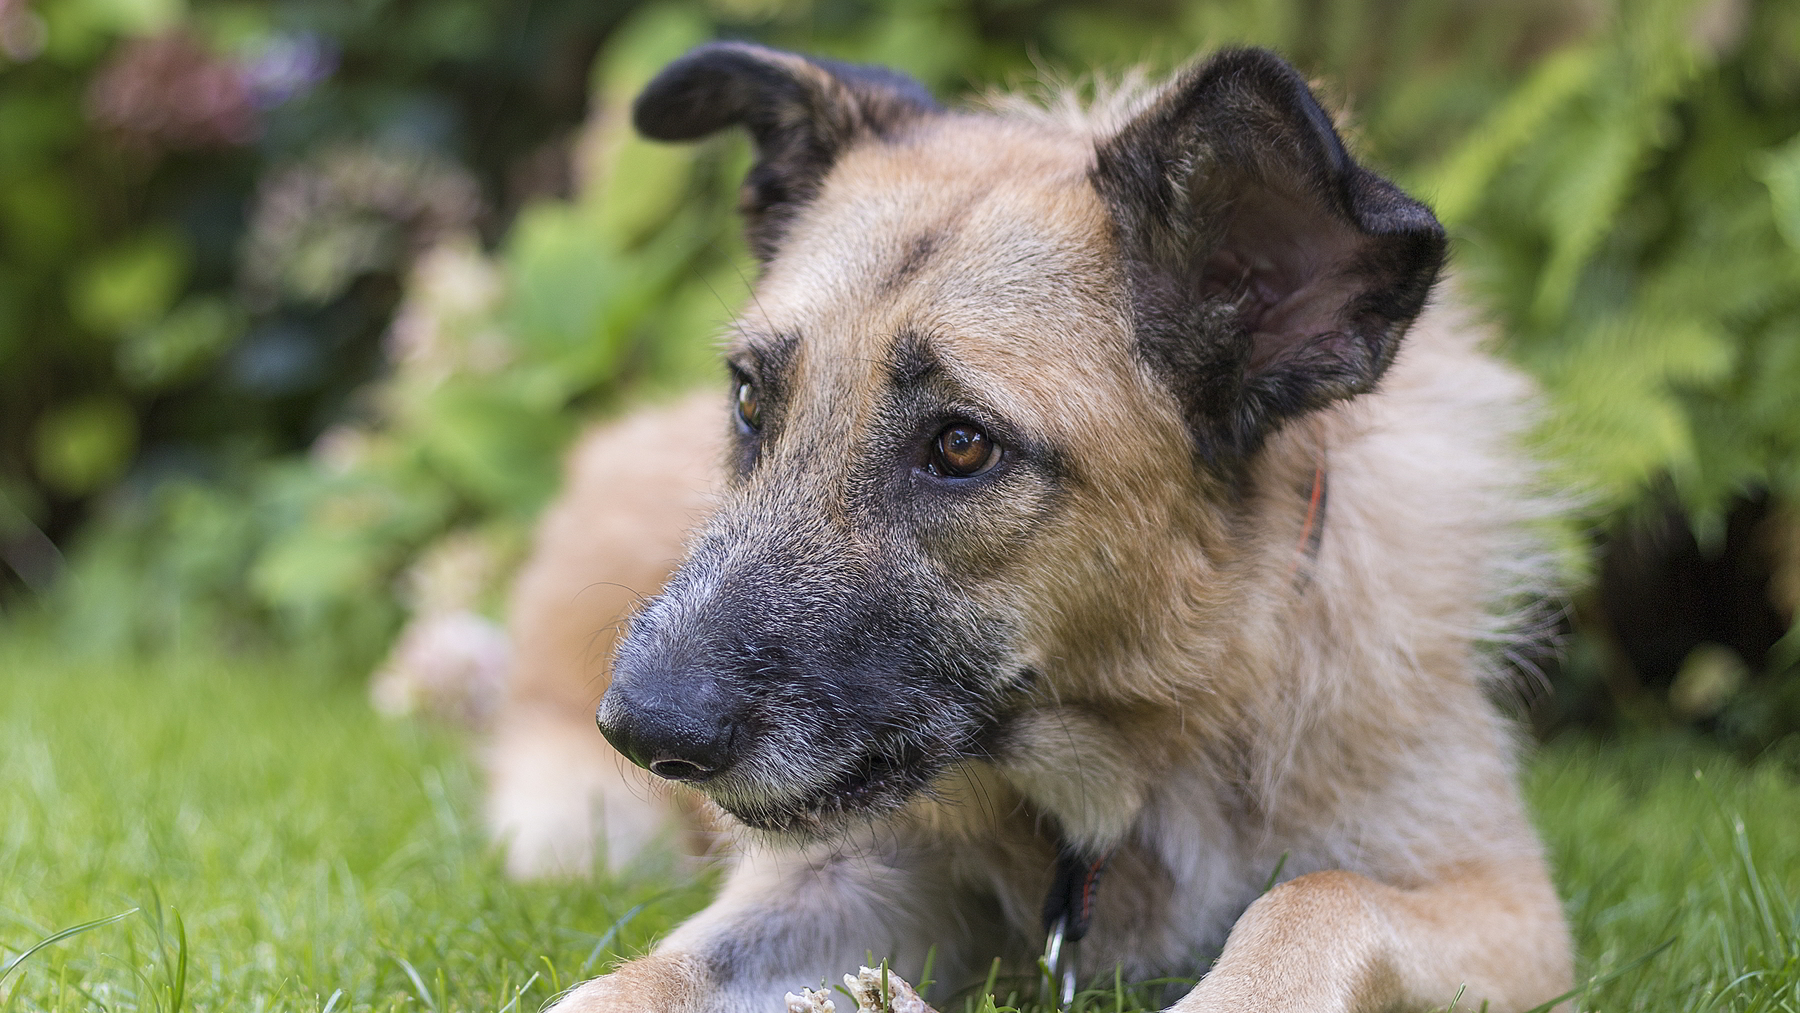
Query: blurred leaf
(455,29)
(645,184)
(326,260)
(34,125)
(931,39)
(133,17)
(1780,172)
(498,452)
(563,276)
(1595,168)
(651,37)
(129,286)
(235,27)
(12,327)
(1463,178)
(82,447)
(42,217)
(633,185)
(1221,24)
(1620,419)
(190,337)
(346,537)
(683,343)
(78,29)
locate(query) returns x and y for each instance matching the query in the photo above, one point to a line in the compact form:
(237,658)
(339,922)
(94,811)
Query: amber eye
(964,450)
(747,405)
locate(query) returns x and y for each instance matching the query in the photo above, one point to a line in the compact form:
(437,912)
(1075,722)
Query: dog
(1102,511)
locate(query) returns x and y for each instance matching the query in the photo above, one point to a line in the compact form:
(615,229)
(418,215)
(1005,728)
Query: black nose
(676,727)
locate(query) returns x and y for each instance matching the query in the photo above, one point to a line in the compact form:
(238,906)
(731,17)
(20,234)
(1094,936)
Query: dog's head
(993,399)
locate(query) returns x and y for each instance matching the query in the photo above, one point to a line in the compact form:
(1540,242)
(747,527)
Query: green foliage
(368,323)
(492,356)
(497,345)
(84,445)
(1618,213)
(141,141)
(131,286)
(1626,216)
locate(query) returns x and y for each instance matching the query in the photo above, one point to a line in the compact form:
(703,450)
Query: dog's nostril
(678,728)
(681,770)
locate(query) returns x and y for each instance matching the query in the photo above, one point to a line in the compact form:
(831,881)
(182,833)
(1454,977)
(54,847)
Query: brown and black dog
(1081,505)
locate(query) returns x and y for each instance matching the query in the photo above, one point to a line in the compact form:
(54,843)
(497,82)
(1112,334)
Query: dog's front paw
(659,983)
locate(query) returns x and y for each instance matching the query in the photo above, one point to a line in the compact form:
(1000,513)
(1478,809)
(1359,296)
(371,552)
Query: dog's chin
(876,786)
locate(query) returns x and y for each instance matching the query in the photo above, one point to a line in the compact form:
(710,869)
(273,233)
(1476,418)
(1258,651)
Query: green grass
(284,849)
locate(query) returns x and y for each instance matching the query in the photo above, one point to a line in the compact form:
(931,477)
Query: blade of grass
(613,933)
(176,989)
(73,930)
(993,979)
(515,999)
(1593,983)
(418,983)
(1280,864)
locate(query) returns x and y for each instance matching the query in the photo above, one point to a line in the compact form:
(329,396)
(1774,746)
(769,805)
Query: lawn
(281,848)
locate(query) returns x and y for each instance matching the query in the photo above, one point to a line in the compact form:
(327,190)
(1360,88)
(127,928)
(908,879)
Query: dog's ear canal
(1270,273)
(802,113)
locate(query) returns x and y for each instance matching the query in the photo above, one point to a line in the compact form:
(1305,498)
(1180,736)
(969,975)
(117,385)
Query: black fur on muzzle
(801,677)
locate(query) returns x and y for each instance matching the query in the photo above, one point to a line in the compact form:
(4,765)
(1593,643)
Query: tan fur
(1212,699)
(558,794)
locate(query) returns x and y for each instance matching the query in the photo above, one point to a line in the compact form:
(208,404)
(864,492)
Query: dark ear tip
(1254,58)
(700,92)
(1263,66)
(1383,209)
(1266,72)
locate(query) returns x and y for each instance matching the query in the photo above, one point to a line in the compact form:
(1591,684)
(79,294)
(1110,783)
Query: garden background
(302,300)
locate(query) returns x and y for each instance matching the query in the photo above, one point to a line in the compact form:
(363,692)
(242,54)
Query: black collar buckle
(1068,911)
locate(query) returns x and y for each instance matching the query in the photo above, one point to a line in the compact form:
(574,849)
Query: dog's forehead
(982,235)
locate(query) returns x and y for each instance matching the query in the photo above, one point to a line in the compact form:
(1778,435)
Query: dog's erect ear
(801,112)
(1270,273)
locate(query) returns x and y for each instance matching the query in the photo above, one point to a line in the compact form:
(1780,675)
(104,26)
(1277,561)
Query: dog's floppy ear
(1270,273)
(801,112)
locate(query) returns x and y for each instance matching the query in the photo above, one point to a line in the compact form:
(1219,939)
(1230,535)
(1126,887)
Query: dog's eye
(747,406)
(964,450)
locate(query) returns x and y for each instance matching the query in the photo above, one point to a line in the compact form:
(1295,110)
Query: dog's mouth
(863,781)
(877,783)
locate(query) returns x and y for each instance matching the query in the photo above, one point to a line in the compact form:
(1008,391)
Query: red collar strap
(1312,533)
(1072,891)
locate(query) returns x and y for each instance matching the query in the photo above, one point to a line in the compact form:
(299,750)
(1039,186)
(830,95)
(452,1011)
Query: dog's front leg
(787,920)
(1337,942)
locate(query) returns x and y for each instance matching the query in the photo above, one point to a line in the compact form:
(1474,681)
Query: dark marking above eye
(767,358)
(923,383)
(912,361)
(917,254)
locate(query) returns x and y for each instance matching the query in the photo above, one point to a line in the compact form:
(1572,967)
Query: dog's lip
(877,782)
(885,777)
